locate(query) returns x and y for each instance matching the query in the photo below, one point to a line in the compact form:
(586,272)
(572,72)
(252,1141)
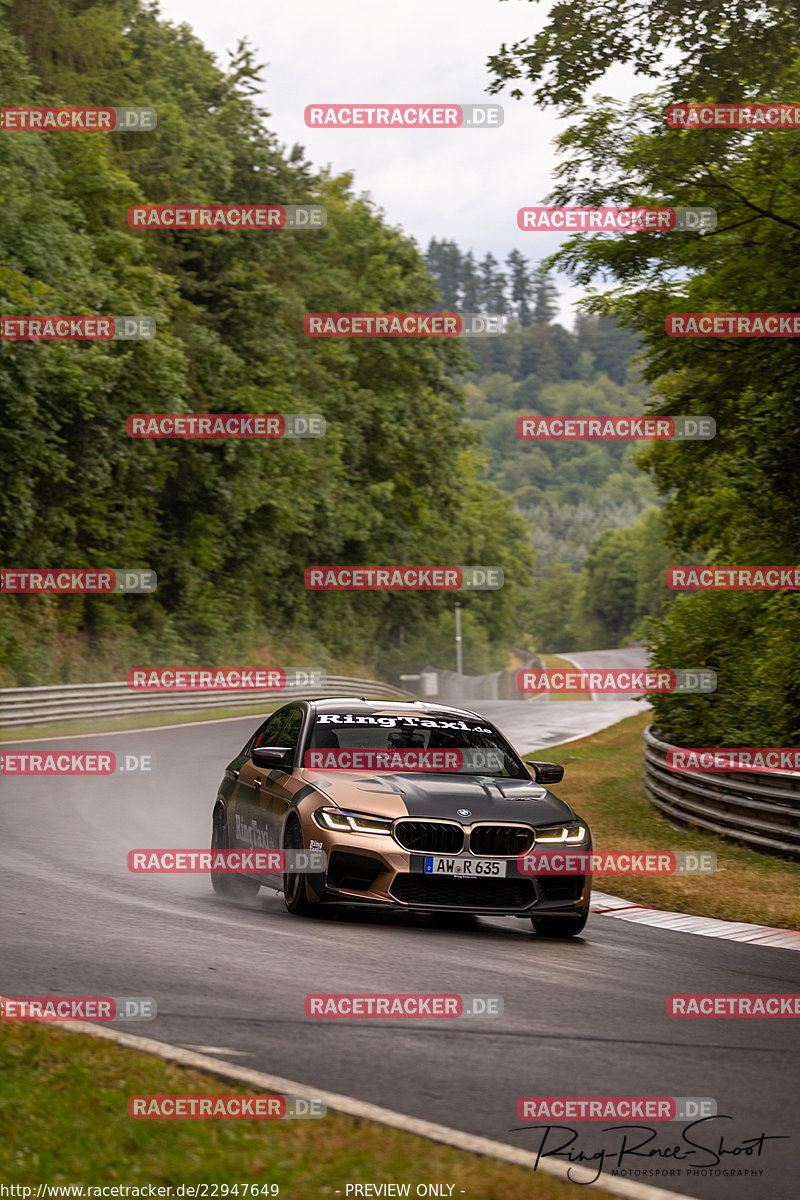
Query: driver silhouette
(406,739)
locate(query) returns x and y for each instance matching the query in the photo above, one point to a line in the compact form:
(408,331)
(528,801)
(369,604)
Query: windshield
(432,744)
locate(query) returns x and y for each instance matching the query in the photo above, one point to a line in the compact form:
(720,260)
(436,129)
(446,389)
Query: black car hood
(486,799)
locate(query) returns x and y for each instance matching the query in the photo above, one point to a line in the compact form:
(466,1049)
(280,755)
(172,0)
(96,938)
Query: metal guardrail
(451,688)
(46,705)
(759,808)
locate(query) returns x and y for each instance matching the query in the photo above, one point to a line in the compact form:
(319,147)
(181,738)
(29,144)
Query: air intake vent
(469,894)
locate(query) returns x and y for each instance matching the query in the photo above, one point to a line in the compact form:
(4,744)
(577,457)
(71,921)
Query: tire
(559,927)
(237,887)
(295,892)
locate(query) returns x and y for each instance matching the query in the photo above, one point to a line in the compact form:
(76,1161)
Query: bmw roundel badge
(464,812)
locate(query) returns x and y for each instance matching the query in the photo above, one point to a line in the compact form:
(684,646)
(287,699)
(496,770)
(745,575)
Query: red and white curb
(732,931)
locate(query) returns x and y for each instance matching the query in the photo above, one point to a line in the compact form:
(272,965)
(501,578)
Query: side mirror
(270,757)
(546,772)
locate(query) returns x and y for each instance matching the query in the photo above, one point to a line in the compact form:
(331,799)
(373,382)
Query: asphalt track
(581,1018)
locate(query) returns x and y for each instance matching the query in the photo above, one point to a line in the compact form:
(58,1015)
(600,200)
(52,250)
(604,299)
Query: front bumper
(372,869)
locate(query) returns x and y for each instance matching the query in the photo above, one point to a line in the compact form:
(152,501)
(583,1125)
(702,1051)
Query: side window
(270,731)
(290,732)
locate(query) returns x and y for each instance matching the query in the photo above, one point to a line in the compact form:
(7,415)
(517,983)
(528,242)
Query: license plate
(436,864)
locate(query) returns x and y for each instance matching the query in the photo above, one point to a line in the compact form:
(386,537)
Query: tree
(443,260)
(610,346)
(549,611)
(738,494)
(610,597)
(545,297)
(520,286)
(735,498)
(470,283)
(493,285)
(229,526)
(699,47)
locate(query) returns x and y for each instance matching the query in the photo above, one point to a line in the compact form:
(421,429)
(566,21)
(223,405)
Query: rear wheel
(239,887)
(559,927)
(295,894)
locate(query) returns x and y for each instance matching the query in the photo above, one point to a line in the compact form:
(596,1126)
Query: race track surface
(582,1018)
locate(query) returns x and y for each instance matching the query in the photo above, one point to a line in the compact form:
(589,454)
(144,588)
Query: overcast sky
(461,184)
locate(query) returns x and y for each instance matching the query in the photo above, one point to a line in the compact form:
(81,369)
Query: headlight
(352,822)
(567,834)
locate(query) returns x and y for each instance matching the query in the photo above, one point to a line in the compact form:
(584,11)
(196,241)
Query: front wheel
(238,887)
(295,894)
(559,927)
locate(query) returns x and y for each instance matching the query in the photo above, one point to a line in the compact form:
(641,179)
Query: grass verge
(603,782)
(63,1109)
(553,663)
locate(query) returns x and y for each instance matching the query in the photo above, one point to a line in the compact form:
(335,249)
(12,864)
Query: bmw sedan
(413,806)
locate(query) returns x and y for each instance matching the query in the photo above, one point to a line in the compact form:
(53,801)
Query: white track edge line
(577,737)
(352,1107)
(593,695)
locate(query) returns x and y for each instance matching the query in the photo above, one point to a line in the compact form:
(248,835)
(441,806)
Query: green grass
(63,1115)
(603,782)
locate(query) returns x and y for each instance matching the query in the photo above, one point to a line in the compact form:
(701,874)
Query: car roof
(349,704)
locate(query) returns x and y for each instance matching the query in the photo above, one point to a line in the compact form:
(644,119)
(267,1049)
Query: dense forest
(230,526)
(569,492)
(590,508)
(420,463)
(736,498)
